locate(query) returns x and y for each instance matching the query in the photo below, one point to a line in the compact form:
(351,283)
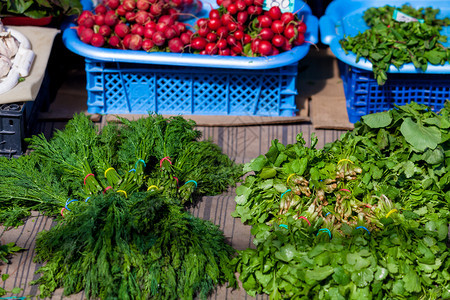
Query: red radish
(258,10)
(287,17)
(126,41)
(176,29)
(135,42)
(231,40)
(214,23)
(214,14)
(278,40)
(113,4)
(181,27)
(166,19)
(247,38)
(97,40)
(275,13)
(222,44)
(211,37)
(290,31)
(89,22)
(232,9)
(211,49)
(301,28)
(129,5)
(156,9)
(198,43)
(242,17)
(240,5)
(258,2)
(226,3)
(287,46)
(237,48)
(147,45)
(185,38)
(251,10)
(203,52)
(142,5)
(277,26)
(173,13)
(142,17)
(275,51)
(86,14)
(265,48)
(80,29)
(225,52)
(100,9)
(248,2)
(266,34)
(232,26)
(177,3)
(255,45)
(121,10)
(110,18)
(86,35)
(114,41)
(299,40)
(105,30)
(148,32)
(176,45)
(150,24)
(239,34)
(158,38)
(203,31)
(202,22)
(137,29)
(226,19)
(161,27)
(170,33)
(264,21)
(219,2)
(222,31)
(130,16)
(121,29)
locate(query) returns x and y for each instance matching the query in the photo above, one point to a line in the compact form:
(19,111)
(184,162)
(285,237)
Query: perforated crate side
(140,88)
(11,129)
(364,95)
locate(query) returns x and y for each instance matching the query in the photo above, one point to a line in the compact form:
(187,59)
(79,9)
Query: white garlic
(5,65)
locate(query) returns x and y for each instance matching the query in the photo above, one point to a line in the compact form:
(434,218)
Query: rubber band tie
(140,160)
(152,187)
(345,190)
(289,177)
(107,170)
(304,218)
(163,159)
(345,159)
(107,188)
(362,227)
(68,202)
(176,179)
(90,174)
(327,214)
(87,199)
(122,191)
(391,212)
(325,230)
(284,226)
(132,170)
(195,182)
(62,209)
(285,193)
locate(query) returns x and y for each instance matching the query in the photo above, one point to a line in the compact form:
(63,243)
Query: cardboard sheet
(41,39)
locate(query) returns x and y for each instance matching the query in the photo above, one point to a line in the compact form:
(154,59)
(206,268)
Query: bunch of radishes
(151,25)
(241,27)
(237,27)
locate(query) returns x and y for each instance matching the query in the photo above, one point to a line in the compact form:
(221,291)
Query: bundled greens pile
(364,218)
(389,42)
(122,193)
(41,8)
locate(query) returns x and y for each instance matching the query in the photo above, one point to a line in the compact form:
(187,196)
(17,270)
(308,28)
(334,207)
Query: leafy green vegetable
(388,42)
(41,8)
(367,217)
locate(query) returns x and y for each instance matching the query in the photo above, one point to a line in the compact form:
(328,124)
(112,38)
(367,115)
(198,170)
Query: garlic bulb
(5,65)
(8,46)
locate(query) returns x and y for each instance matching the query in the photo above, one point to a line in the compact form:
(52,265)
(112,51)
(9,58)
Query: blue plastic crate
(406,84)
(139,88)
(364,95)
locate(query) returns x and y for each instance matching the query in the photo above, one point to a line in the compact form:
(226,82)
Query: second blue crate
(364,95)
(131,88)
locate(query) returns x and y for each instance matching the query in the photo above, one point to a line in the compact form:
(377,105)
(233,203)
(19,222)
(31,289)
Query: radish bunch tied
(241,27)
(150,25)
